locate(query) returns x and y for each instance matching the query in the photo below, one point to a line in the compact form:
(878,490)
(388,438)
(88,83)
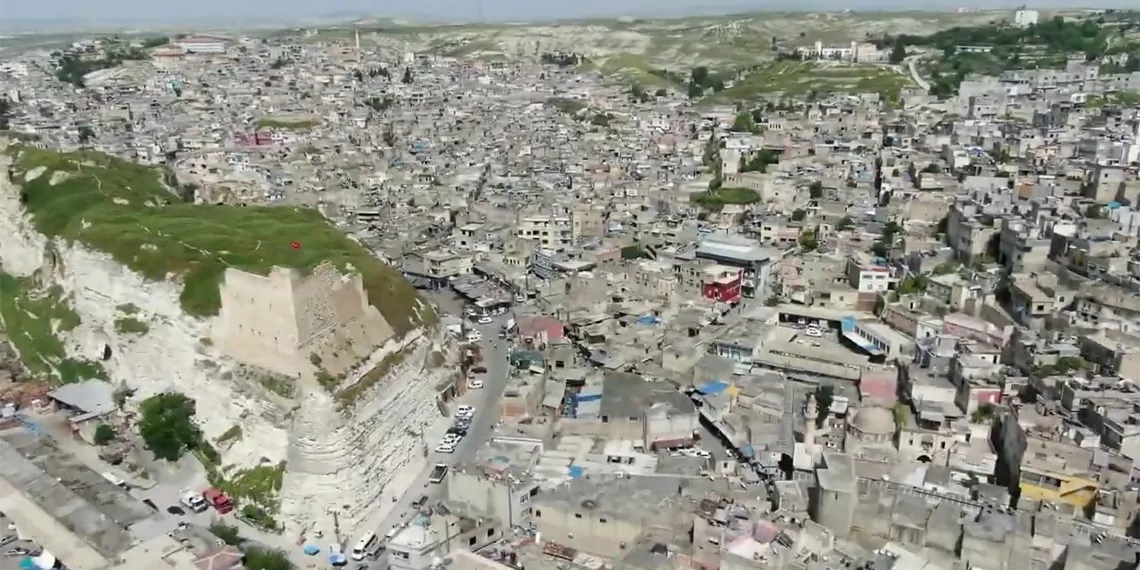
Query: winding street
(486,402)
(924,84)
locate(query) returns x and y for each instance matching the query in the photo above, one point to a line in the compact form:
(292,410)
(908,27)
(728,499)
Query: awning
(862,344)
(715,387)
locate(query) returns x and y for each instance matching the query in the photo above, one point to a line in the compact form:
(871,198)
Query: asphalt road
(486,403)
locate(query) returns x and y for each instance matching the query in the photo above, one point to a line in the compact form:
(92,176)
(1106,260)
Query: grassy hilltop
(121,208)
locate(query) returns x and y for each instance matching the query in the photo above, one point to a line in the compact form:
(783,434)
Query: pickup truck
(438,473)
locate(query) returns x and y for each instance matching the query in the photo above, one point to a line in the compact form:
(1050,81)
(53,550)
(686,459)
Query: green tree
(407,78)
(815,190)
(86,133)
(879,249)
(808,240)
(743,123)
(1068,364)
(983,413)
(5,112)
(845,223)
(103,435)
(798,215)
(166,425)
(633,252)
(228,533)
(258,558)
(890,230)
(824,396)
(898,52)
(911,284)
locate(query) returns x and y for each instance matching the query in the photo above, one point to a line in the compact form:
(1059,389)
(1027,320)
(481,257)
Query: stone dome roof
(874,420)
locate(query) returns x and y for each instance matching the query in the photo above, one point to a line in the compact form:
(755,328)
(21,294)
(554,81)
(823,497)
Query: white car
(444,447)
(452,438)
(193,501)
(474,384)
(465,411)
(485,320)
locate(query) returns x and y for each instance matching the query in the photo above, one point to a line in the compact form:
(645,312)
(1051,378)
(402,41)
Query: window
(490,532)
(538,513)
(471,540)
(577,515)
(602,520)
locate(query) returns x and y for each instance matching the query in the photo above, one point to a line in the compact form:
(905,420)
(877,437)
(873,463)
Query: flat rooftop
(47,488)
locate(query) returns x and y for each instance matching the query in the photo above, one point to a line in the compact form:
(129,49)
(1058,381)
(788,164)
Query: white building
(1025,18)
(867,276)
(201,44)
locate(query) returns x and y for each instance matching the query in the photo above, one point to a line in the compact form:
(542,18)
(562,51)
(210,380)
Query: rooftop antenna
(479,11)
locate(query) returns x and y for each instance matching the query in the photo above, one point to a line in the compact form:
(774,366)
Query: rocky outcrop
(341,453)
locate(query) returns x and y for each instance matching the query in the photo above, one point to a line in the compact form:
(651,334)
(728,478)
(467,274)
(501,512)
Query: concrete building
(72,512)
(605,516)
(428,539)
(736,251)
(1025,18)
(498,483)
(834,500)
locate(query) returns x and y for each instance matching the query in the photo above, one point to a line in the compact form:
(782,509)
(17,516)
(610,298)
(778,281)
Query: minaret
(357,45)
(811,413)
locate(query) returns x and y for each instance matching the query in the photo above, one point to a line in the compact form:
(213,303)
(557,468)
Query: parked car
(218,500)
(193,501)
(465,411)
(475,384)
(485,320)
(479,369)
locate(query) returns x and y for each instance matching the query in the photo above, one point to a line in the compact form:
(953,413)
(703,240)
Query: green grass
(796,79)
(259,485)
(287,124)
(121,208)
(279,385)
(31,319)
(232,434)
(128,325)
(717,199)
(349,395)
(567,106)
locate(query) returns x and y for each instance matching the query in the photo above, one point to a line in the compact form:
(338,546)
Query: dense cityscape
(859,292)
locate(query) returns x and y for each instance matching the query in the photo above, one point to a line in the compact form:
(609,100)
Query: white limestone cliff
(342,458)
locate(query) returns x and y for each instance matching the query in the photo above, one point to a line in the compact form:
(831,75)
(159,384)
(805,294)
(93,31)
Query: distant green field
(122,208)
(794,79)
(287,124)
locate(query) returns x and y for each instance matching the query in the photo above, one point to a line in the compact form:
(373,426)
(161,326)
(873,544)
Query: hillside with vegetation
(123,209)
(1047,44)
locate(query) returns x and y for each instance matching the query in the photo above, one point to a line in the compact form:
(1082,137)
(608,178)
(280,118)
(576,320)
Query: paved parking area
(12,549)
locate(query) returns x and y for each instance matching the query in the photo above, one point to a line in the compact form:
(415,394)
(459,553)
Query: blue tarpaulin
(647,320)
(311,549)
(746,451)
(715,387)
(575,471)
(27,564)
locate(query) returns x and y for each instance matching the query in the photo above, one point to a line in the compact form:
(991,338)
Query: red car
(218,500)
